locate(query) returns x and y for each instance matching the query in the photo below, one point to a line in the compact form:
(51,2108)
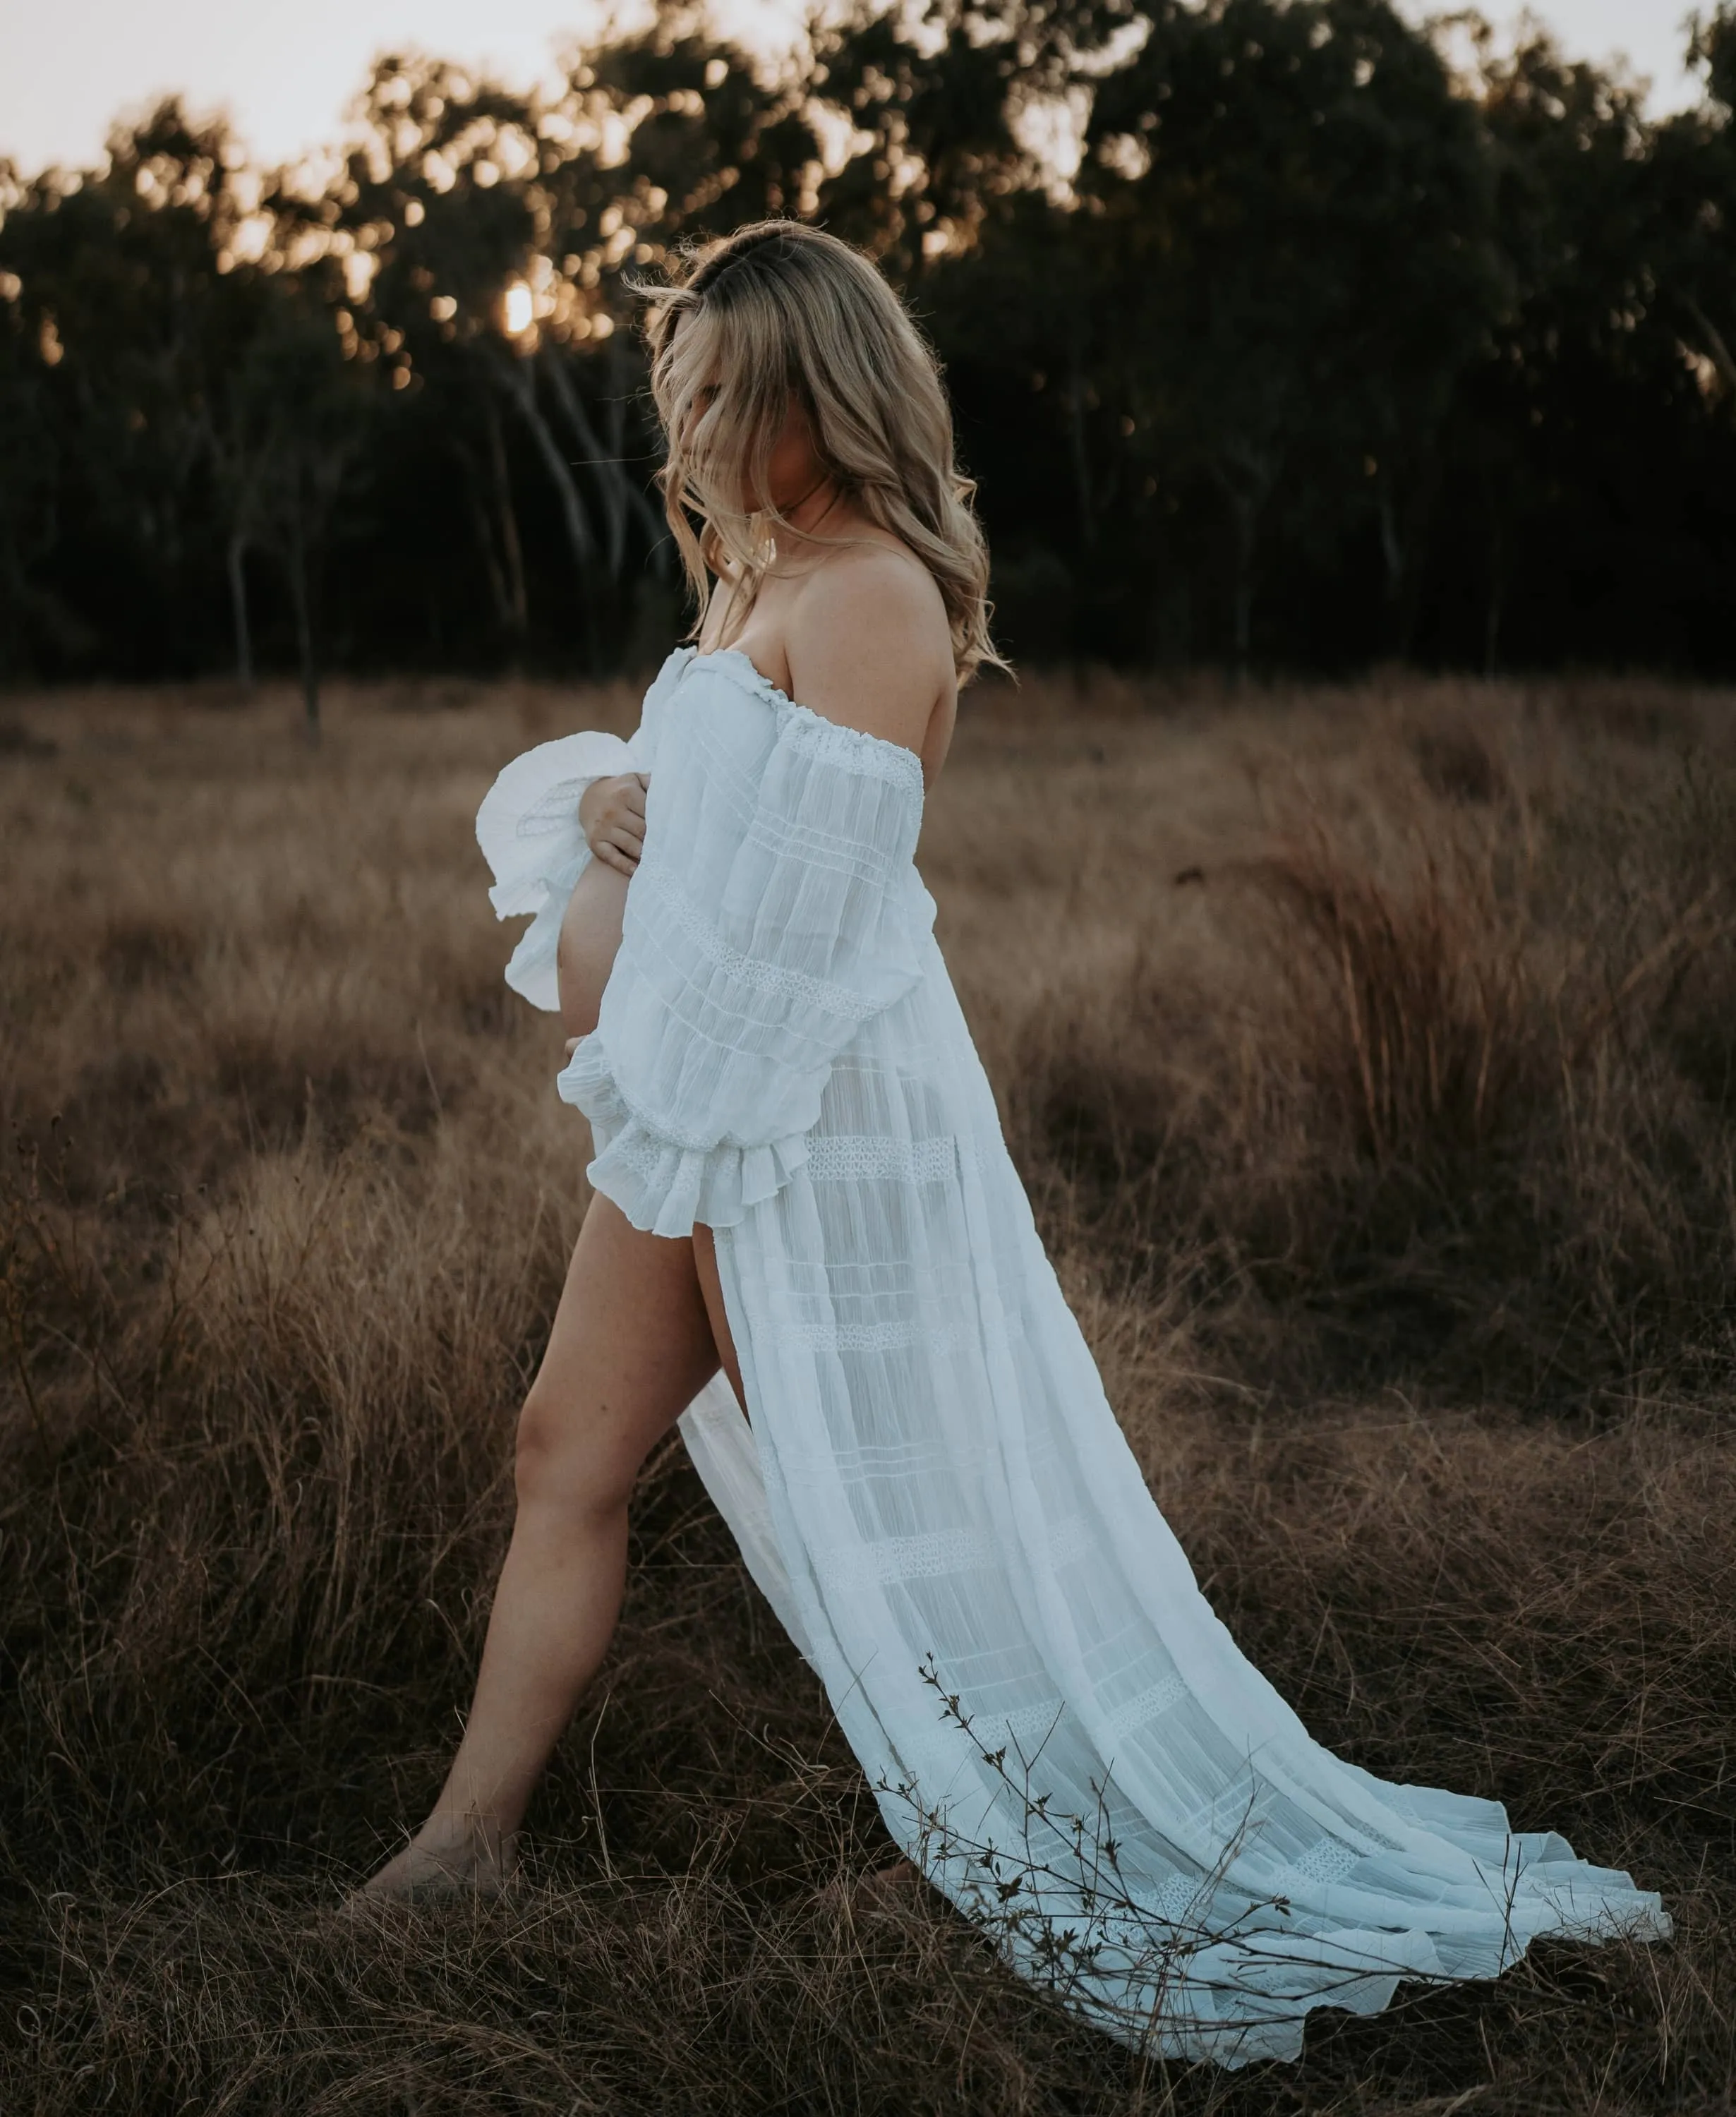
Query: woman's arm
(775,914)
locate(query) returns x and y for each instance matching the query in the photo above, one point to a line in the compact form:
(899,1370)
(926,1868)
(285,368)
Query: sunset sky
(286,75)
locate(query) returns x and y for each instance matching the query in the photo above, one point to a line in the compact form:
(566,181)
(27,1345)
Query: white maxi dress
(933,1494)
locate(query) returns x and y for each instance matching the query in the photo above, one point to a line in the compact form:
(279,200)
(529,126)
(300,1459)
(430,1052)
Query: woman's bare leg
(711,1287)
(632,1344)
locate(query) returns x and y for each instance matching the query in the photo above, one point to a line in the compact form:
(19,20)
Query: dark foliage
(1322,356)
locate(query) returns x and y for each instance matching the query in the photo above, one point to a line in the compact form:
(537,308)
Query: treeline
(1323,354)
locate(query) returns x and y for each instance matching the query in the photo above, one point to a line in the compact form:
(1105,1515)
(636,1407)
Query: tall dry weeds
(1438,1097)
(1369,1057)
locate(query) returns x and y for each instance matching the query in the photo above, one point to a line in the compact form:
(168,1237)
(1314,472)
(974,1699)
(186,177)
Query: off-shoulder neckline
(755,679)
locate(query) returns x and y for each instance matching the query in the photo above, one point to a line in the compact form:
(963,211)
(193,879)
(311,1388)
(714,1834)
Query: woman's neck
(821,509)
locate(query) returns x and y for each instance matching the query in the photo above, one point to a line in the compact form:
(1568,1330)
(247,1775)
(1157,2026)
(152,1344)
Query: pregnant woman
(805,1213)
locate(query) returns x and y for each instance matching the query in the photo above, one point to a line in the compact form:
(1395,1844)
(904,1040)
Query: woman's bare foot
(450,1856)
(883,1889)
(882,1893)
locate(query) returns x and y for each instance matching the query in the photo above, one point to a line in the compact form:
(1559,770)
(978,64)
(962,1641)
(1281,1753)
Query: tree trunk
(608,476)
(519,378)
(1081,458)
(1391,548)
(1245,475)
(301,594)
(236,560)
(621,496)
(1244,516)
(481,521)
(659,544)
(515,603)
(1493,609)
(1404,537)
(1410,589)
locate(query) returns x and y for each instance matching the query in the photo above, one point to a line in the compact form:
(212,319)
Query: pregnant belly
(590,933)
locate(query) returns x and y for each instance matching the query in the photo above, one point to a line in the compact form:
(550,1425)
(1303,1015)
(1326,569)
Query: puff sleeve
(775,912)
(528,827)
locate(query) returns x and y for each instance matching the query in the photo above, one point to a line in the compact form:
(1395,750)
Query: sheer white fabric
(933,1494)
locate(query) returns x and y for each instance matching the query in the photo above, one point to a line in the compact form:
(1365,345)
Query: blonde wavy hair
(775,311)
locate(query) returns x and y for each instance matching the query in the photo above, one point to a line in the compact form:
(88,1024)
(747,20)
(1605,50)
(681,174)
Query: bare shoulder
(869,644)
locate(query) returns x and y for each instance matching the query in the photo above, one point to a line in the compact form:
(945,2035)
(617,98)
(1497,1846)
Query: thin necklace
(790,513)
(837,495)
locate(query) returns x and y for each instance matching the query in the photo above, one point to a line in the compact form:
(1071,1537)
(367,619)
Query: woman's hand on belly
(612,814)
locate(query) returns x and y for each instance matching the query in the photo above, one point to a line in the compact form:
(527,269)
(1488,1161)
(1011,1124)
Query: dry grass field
(1371,1058)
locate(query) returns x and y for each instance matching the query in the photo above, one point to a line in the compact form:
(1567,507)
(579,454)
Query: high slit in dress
(933,1494)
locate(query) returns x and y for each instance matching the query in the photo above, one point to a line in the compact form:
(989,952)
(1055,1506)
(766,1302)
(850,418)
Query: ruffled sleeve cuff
(528,827)
(664,1187)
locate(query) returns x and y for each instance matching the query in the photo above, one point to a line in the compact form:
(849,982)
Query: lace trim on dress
(1025,1723)
(890,1559)
(845,1157)
(1140,1710)
(1028,1727)
(865,1337)
(1327,1859)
